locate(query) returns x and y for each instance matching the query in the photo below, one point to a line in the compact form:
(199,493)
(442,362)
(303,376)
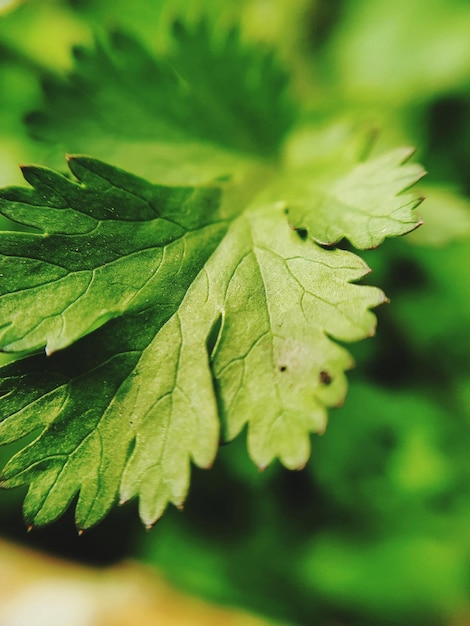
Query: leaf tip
(336,405)
(406,153)
(208,465)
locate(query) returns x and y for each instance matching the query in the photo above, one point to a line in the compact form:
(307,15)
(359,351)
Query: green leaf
(276,366)
(108,245)
(241,104)
(213,326)
(174,315)
(365,205)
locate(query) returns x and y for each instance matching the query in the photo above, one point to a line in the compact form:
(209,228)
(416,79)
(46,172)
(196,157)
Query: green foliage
(365,206)
(109,245)
(225,312)
(273,163)
(162,262)
(239,105)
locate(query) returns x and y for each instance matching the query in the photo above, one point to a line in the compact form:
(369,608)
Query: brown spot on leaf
(325,378)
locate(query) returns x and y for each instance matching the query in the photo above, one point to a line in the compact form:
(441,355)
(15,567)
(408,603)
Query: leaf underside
(169,317)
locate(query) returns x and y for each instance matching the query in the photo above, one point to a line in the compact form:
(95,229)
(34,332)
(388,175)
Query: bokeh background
(376,530)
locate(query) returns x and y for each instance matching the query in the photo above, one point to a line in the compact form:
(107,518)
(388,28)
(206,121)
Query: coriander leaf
(365,204)
(124,101)
(276,366)
(241,332)
(92,403)
(109,243)
(174,315)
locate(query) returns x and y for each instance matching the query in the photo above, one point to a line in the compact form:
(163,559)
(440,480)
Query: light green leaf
(174,315)
(365,204)
(237,328)
(285,301)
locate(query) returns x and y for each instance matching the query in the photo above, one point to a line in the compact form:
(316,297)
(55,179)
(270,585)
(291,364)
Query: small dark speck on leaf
(282,368)
(302,233)
(325,378)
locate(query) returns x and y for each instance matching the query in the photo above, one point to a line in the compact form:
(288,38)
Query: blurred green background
(376,530)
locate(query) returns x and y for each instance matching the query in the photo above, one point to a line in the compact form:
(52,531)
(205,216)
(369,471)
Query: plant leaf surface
(108,245)
(364,204)
(174,315)
(239,331)
(169,109)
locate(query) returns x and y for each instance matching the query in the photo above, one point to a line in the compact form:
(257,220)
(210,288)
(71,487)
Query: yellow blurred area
(39,590)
